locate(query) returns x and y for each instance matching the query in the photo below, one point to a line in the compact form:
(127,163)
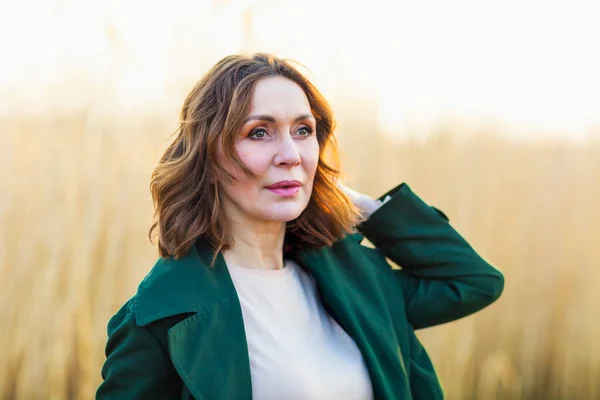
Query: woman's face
(277,142)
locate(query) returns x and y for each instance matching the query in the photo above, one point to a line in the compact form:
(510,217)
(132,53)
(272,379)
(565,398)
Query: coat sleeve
(442,276)
(136,366)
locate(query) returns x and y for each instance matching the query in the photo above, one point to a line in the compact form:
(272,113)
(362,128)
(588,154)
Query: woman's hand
(365,203)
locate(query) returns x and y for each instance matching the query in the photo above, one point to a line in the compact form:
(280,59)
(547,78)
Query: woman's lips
(286,192)
(284,184)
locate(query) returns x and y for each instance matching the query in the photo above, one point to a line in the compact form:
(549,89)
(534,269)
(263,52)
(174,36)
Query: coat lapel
(209,348)
(351,293)
(210,353)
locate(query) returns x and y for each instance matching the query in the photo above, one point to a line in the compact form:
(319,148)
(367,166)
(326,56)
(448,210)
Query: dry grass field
(75,209)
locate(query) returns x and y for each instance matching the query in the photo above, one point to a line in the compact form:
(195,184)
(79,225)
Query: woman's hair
(184,183)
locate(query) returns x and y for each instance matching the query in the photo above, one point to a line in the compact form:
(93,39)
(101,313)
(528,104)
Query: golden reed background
(75,208)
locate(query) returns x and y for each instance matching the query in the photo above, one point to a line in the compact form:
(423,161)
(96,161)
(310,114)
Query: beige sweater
(297,351)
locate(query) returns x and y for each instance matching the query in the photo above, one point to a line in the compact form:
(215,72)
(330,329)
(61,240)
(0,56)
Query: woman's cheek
(312,155)
(254,157)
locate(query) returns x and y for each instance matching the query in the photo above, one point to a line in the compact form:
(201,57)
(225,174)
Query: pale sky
(530,64)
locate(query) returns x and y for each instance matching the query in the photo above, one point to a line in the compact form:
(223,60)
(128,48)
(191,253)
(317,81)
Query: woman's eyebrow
(270,118)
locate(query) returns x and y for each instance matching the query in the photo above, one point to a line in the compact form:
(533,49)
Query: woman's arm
(136,366)
(442,276)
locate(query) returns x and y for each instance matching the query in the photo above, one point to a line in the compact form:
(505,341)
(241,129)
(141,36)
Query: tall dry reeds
(75,208)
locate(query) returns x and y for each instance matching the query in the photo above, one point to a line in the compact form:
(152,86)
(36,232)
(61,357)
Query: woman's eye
(305,131)
(257,133)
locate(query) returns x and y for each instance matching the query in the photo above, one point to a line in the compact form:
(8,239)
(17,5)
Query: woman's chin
(285,214)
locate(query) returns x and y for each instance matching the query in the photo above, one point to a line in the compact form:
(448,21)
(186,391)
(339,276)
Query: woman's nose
(287,152)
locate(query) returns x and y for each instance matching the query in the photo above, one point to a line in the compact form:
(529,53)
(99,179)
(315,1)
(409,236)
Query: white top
(297,351)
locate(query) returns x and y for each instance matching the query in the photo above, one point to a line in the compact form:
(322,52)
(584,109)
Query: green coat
(182,335)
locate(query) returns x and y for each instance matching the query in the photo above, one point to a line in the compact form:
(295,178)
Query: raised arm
(442,276)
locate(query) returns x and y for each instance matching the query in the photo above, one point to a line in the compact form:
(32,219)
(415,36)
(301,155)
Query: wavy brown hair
(184,184)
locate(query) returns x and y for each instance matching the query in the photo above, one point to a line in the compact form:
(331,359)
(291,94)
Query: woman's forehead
(279,96)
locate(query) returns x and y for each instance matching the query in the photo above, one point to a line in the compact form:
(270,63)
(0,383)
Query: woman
(263,289)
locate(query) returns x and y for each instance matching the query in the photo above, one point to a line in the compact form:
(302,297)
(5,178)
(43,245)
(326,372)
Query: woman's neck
(257,247)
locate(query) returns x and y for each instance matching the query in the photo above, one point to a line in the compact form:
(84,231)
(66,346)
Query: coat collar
(189,285)
(183,285)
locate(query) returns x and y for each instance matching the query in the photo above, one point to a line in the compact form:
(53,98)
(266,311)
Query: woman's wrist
(365,203)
